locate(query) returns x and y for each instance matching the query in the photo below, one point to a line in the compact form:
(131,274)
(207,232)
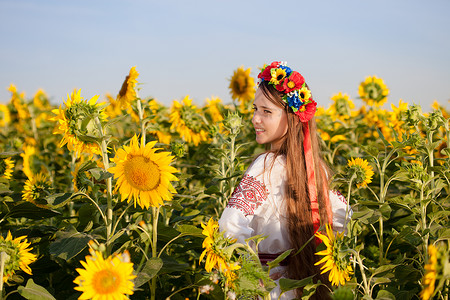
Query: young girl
(284,193)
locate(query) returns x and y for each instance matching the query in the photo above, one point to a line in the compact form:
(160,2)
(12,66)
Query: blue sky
(192,47)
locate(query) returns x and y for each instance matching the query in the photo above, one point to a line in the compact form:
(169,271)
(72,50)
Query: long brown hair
(298,207)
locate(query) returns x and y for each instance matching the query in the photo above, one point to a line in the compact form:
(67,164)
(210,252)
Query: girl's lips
(259,130)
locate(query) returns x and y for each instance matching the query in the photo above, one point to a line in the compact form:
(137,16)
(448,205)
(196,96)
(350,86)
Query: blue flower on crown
(287,69)
(294,101)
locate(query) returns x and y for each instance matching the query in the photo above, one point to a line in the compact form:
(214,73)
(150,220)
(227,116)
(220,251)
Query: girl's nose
(255,119)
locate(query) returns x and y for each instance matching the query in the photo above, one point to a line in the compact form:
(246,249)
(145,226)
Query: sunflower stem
(155,214)
(141,120)
(3,257)
(109,210)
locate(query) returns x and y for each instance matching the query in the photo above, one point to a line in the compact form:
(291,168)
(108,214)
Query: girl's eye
(267,111)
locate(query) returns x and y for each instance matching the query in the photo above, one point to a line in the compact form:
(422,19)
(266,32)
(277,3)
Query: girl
(284,193)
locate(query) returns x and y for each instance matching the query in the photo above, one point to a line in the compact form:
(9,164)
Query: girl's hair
(297,202)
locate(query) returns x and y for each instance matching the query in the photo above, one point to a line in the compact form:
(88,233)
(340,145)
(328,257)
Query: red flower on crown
(307,111)
(293,82)
(265,74)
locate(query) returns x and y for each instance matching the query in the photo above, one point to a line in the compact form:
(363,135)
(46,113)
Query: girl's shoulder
(267,163)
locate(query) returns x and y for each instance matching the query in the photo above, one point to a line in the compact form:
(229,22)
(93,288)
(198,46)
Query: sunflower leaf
(287,284)
(33,291)
(149,271)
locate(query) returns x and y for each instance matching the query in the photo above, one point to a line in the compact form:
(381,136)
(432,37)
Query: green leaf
(385,295)
(33,291)
(149,271)
(189,230)
(383,269)
(100,174)
(287,284)
(60,199)
(8,154)
(276,261)
(30,211)
(69,244)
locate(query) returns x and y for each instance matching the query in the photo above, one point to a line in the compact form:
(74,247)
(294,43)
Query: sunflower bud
(435,120)
(177,149)
(234,122)
(413,115)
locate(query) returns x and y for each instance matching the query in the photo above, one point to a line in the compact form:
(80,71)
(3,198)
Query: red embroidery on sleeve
(248,195)
(339,195)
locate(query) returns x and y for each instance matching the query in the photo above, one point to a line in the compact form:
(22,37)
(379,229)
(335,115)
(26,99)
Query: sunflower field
(119,197)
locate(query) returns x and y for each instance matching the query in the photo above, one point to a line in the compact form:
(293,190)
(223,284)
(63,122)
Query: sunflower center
(142,173)
(106,282)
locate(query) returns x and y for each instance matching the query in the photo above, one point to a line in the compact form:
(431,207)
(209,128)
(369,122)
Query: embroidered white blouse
(256,207)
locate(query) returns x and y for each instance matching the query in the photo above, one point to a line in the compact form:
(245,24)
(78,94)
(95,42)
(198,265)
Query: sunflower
(373,91)
(377,118)
(242,85)
(40,100)
(5,115)
(113,109)
(18,103)
(19,256)
(395,118)
(128,93)
(342,106)
(429,279)
(333,261)
(76,122)
(187,121)
(81,179)
(213,109)
(104,279)
(29,160)
(144,175)
(36,188)
(363,171)
(214,258)
(6,167)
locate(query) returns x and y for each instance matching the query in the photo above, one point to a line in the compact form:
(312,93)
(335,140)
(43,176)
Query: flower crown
(292,84)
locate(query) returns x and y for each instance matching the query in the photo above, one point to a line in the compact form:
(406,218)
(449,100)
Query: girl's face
(269,120)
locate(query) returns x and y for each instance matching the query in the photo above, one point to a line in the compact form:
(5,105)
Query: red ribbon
(312,186)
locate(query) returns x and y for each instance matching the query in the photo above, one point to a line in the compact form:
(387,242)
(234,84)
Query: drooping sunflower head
(127,93)
(36,189)
(110,278)
(82,180)
(361,170)
(342,106)
(143,174)
(76,123)
(242,85)
(5,115)
(18,255)
(6,167)
(334,261)
(186,119)
(373,91)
